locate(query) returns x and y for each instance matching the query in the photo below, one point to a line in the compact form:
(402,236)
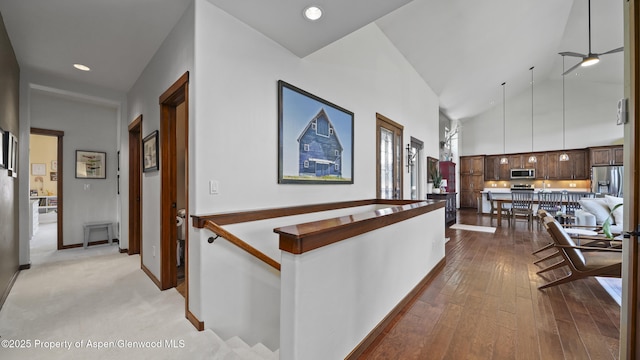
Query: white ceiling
(463,49)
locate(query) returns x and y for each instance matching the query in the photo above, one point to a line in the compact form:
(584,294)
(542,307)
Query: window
(306,147)
(388,158)
(336,167)
(330,131)
(415,169)
(306,164)
(337,152)
(314,125)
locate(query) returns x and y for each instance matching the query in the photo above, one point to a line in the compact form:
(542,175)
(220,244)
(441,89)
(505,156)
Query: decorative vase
(436,191)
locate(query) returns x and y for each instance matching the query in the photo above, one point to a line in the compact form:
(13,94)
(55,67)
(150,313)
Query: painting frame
(3,150)
(315,139)
(38,169)
(91,164)
(150,153)
(11,154)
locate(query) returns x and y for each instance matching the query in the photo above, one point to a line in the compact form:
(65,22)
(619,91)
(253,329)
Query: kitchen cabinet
(494,171)
(577,168)
(516,161)
(540,165)
(471,180)
(472,165)
(553,161)
(606,155)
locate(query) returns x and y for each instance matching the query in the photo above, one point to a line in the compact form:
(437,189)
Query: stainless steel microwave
(523,173)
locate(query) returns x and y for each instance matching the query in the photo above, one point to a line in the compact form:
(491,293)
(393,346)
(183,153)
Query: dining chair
(522,206)
(572,201)
(551,202)
(506,212)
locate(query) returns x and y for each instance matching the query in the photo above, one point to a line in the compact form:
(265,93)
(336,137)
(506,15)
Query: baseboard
(97,242)
(408,300)
(150,275)
(199,325)
(6,292)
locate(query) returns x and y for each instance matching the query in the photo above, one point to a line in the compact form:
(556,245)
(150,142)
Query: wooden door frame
(175,95)
(59,187)
(135,187)
(381,119)
(629,335)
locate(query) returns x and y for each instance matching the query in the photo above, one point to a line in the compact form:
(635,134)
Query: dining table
(500,202)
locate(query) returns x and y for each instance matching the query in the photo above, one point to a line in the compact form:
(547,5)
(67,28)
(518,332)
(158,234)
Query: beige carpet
(104,300)
(96,303)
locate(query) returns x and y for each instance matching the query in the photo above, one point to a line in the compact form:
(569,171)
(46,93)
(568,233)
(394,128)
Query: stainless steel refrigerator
(607,180)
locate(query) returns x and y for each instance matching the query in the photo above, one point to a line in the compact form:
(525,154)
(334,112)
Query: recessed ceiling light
(312,13)
(82,67)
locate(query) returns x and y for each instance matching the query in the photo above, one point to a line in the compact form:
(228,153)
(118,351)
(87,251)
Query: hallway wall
(236,123)
(9,105)
(88,127)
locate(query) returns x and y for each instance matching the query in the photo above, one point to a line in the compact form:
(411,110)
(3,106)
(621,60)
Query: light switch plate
(622,115)
(213,187)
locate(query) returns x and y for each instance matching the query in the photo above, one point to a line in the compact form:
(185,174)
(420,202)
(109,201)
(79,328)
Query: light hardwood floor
(485,305)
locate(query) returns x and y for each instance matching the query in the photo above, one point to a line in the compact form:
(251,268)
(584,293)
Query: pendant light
(532,158)
(504,160)
(563,156)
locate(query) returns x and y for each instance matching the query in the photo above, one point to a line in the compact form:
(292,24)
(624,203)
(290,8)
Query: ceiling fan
(591,58)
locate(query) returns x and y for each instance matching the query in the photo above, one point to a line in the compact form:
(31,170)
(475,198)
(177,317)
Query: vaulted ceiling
(463,49)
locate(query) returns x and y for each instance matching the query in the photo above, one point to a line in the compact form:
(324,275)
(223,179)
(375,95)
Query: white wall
(32,81)
(89,127)
(590,119)
(332,297)
(172,60)
(235,122)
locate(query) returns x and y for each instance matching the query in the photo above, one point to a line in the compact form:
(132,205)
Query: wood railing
(220,232)
(300,238)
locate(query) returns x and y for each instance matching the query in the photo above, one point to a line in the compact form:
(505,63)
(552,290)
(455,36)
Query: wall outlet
(153,251)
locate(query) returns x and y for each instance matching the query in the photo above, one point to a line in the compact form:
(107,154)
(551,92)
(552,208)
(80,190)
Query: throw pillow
(612,201)
(597,206)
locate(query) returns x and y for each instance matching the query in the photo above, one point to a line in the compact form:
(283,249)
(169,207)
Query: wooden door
(135,187)
(174,96)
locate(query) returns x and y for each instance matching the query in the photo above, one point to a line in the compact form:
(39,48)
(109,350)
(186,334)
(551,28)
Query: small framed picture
(54,165)
(38,169)
(150,154)
(91,164)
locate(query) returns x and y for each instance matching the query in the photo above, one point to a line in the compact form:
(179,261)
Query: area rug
(487,229)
